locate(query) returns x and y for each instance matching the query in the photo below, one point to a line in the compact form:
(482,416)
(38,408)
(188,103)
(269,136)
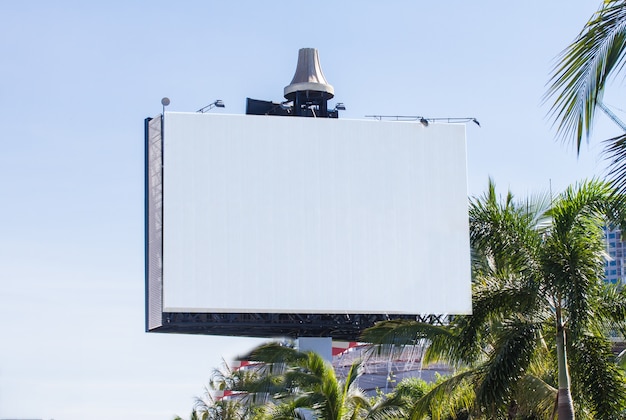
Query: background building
(614,266)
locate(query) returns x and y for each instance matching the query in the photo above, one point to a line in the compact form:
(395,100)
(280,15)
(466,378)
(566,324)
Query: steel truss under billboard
(225,220)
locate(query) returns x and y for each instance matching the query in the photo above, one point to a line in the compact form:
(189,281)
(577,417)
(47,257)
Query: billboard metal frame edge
(263,325)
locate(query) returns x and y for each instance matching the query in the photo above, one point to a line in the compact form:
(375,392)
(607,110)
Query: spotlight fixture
(165,102)
(424,121)
(340,106)
(215,104)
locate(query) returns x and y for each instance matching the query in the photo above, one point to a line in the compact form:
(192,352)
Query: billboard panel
(322,216)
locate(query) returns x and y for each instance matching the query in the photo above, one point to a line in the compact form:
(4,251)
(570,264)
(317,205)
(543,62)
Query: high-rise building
(614,266)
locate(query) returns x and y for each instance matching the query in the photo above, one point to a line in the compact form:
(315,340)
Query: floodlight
(217,103)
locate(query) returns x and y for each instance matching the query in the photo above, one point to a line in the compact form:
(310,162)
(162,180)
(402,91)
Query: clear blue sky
(77,80)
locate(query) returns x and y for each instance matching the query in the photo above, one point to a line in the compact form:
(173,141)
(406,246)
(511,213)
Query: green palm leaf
(599,380)
(535,398)
(497,379)
(449,396)
(583,68)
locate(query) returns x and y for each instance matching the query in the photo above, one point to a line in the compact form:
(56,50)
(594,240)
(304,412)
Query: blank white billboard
(306,215)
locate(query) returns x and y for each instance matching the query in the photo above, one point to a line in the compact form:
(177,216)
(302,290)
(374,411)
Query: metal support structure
(154,220)
(612,116)
(215,104)
(274,325)
(424,120)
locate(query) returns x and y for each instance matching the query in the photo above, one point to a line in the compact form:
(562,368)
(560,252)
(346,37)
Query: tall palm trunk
(565,404)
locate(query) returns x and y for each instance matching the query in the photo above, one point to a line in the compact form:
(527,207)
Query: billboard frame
(338,326)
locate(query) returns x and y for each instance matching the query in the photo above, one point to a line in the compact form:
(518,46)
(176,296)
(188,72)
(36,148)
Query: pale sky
(78,79)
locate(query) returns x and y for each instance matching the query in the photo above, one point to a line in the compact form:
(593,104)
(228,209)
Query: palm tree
(303,382)
(228,395)
(580,76)
(540,313)
(283,383)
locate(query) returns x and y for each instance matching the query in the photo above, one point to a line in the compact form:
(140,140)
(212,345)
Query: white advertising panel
(306,215)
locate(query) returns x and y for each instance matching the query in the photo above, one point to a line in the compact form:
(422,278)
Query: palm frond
(388,338)
(274,352)
(596,375)
(508,363)
(535,398)
(611,309)
(615,153)
(401,332)
(503,234)
(583,69)
(504,237)
(289,410)
(446,398)
(386,408)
